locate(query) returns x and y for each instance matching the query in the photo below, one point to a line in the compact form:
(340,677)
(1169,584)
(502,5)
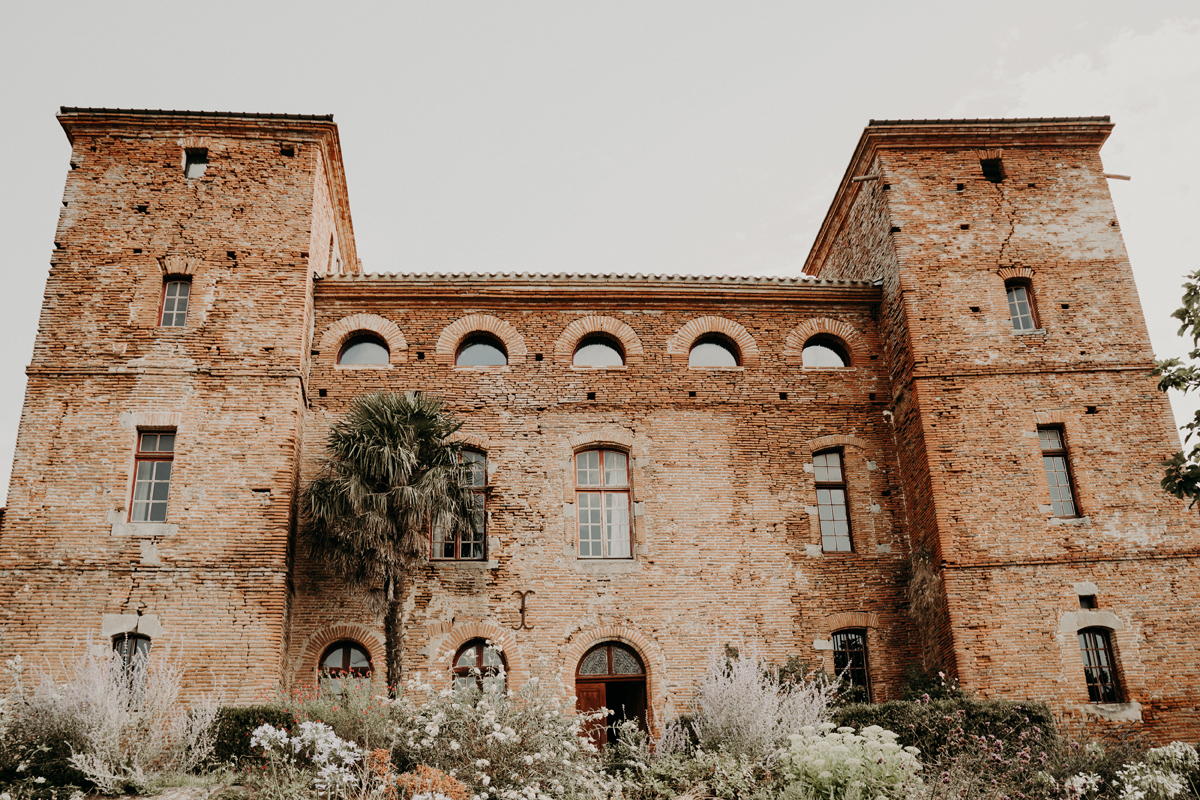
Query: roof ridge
(158,112)
(591,276)
(987,121)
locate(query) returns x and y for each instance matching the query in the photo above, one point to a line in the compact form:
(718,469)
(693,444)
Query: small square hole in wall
(195,161)
(420,356)
(783,395)
(1033,186)
(691,394)
(895,229)
(591,395)
(974,309)
(964,227)
(314,352)
(143,209)
(537,356)
(1087,601)
(886,493)
(1066,305)
(887,187)
(321,392)
(287,150)
(959,187)
(871,395)
(137,249)
(231,254)
(1092,410)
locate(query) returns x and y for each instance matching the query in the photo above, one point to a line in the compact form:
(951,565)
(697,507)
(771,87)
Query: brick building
(668,463)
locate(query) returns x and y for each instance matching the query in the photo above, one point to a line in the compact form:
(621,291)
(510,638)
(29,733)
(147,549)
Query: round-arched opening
(713,350)
(345,659)
(481,350)
(480,665)
(824,351)
(364,348)
(598,350)
(611,675)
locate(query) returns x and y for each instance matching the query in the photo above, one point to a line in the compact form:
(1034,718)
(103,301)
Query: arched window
(850,663)
(470,544)
(479,664)
(345,659)
(1099,665)
(481,350)
(602,503)
(832,508)
(364,348)
(824,351)
(611,675)
(598,350)
(713,350)
(1020,304)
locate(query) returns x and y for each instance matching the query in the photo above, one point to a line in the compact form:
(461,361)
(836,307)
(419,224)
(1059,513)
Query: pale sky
(648,136)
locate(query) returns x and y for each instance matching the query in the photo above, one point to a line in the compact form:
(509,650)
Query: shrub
(234,726)
(125,727)
(348,705)
(840,763)
(314,756)
(1163,775)
(39,730)
(744,708)
(432,782)
(502,745)
(929,726)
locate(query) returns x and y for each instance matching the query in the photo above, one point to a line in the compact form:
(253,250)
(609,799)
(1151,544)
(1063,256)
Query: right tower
(1030,431)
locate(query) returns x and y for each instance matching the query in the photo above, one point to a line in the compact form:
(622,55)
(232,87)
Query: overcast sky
(652,137)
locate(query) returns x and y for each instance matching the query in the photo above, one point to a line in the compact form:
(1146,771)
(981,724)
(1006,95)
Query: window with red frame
(478,663)
(152,476)
(602,502)
(346,659)
(176,294)
(1058,472)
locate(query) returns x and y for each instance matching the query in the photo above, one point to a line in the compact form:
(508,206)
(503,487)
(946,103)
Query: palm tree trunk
(393,633)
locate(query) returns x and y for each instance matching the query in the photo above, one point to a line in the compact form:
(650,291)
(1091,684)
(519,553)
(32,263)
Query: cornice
(947,134)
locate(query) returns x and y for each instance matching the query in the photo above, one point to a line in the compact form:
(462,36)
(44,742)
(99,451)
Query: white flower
(39,779)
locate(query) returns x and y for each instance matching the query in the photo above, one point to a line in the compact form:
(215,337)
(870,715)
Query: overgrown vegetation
(756,732)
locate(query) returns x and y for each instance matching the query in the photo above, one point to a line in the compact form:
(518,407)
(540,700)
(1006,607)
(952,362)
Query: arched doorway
(611,675)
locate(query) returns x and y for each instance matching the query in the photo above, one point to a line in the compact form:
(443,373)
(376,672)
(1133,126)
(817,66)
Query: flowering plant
(839,762)
(315,745)
(1162,775)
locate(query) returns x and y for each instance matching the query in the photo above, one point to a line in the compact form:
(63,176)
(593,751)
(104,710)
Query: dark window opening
(195,162)
(478,664)
(895,229)
(421,356)
(364,349)
(691,394)
(850,664)
(1099,665)
(993,169)
(481,350)
(964,227)
(152,476)
(1087,601)
(345,659)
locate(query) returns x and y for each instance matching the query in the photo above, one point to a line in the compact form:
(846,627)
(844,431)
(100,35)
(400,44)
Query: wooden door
(590,697)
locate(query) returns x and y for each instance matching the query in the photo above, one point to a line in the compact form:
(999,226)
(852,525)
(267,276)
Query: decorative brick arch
(318,641)
(1055,417)
(679,346)
(195,142)
(651,654)
(454,636)
(836,440)
(564,348)
(176,264)
(475,441)
(851,619)
(461,328)
(793,346)
(336,335)
(599,437)
(1015,272)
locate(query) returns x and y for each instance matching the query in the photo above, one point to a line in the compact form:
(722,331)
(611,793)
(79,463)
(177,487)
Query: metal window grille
(850,660)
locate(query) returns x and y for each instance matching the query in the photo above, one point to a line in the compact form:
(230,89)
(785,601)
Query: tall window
(602,500)
(1020,305)
(195,161)
(478,664)
(175,303)
(133,650)
(468,545)
(1058,472)
(152,476)
(850,662)
(1099,666)
(831,502)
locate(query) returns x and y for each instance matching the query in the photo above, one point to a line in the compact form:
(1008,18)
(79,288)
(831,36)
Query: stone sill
(361,366)
(1084,522)
(473,565)
(604,566)
(1031,332)
(615,368)
(145,529)
(1114,712)
(717,369)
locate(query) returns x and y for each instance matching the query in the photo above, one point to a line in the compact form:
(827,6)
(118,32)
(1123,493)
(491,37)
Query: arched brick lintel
(836,440)
(1015,272)
(602,436)
(455,636)
(793,346)
(851,619)
(564,348)
(1054,417)
(679,346)
(649,650)
(336,335)
(176,264)
(319,640)
(453,334)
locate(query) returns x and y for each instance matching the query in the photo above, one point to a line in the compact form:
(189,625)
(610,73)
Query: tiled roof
(158,112)
(997,121)
(592,277)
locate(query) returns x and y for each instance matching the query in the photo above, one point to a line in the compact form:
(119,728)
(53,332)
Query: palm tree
(389,473)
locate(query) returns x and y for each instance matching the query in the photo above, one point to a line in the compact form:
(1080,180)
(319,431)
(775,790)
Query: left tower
(153,493)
